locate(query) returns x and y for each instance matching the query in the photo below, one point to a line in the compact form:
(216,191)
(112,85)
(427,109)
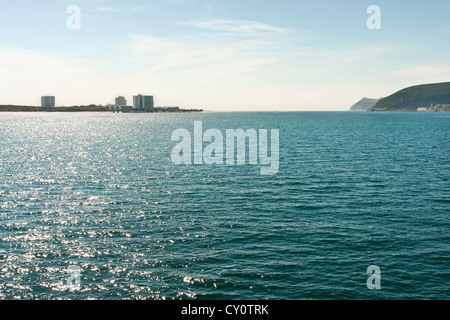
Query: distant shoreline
(81,109)
(90,108)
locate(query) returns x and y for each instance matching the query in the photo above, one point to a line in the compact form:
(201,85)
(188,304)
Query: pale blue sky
(221,54)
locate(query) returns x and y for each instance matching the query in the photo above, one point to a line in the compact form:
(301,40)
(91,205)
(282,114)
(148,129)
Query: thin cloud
(238,27)
(125,9)
(354,54)
(440,72)
(107,9)
(158,54)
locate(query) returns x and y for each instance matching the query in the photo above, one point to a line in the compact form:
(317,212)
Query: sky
(220,55)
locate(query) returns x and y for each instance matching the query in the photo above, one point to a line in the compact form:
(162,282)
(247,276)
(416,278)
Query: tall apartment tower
(145,103)
(121,101)
(47,101)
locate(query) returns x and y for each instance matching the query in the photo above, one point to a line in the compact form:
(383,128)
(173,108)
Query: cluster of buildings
(141,103)
(439,108)
(436,108)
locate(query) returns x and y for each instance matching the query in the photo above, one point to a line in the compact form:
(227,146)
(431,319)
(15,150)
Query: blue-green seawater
(100,191)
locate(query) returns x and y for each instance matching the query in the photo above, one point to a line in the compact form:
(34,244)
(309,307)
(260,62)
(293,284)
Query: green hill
(412,98)
(363,104)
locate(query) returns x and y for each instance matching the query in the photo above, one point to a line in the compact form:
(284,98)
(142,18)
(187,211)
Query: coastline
(91,108)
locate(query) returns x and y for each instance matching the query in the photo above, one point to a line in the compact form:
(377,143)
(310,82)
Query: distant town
(141,104)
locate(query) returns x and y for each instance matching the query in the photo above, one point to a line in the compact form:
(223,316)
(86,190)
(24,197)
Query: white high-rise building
(121,101)
(47,101)
(144,103)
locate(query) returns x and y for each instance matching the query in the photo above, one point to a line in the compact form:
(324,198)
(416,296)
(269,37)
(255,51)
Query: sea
(93,207)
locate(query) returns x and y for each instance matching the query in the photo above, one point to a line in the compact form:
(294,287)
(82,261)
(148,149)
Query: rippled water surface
(100,192)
